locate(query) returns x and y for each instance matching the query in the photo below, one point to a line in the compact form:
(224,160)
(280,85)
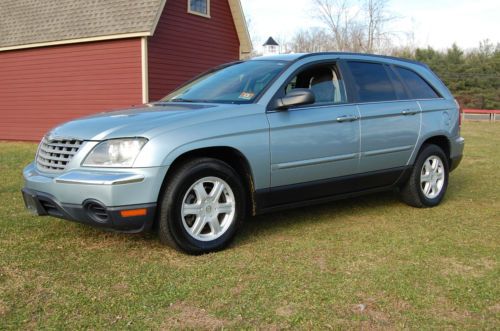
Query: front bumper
(96,197)
(91,212)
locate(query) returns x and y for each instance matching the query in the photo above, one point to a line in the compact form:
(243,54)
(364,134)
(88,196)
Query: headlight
(116,153)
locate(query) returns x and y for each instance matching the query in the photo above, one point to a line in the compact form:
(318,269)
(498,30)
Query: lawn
(370,263)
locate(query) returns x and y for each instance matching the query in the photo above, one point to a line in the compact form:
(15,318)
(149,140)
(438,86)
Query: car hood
(143,121)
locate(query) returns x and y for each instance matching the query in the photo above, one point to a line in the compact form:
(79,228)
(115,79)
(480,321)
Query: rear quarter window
(371,82)
(418,87)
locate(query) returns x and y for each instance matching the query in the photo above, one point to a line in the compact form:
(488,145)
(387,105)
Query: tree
(312,40)
(473,77)
(376,36)
(355,25)
(340,19)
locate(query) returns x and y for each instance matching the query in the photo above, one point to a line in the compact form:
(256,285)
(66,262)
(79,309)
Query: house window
(199,7)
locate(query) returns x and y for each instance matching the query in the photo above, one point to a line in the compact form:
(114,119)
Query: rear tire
(202,206)
(428,181)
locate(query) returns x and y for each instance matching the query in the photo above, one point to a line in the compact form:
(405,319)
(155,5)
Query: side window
(372,82)
(418,87)
(324,80)
(199,7)
(399,87)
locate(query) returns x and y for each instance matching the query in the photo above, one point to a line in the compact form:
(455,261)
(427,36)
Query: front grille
(54,155)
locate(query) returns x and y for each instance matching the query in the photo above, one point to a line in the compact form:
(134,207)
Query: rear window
(417,86)
(372,82)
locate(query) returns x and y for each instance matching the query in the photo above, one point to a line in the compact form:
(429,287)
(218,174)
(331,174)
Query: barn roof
(35,23)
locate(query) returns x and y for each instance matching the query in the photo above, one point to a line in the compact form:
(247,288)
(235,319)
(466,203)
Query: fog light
(96,211)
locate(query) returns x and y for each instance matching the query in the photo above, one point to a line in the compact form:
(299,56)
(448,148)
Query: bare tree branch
(355,25)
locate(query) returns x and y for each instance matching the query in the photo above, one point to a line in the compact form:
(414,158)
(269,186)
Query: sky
(435,23)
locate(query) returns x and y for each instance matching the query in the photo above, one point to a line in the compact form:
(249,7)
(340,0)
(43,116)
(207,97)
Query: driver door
(313,145)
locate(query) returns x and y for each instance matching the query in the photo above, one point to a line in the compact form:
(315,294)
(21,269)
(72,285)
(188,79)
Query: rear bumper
(91,212)
(456,153)
(455,162)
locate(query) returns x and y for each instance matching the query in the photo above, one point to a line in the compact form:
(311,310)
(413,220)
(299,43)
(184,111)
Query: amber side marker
(134,212)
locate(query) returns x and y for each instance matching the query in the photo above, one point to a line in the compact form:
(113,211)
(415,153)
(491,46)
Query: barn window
(199,7)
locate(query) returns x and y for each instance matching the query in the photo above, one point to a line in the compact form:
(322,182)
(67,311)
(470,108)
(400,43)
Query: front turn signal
(134,212)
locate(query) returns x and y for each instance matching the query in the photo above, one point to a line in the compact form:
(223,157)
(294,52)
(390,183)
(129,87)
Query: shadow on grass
(336,210)
(272,223)
(262,225)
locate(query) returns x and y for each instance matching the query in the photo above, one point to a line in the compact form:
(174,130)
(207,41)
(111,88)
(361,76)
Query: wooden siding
(185,45)
(42,87)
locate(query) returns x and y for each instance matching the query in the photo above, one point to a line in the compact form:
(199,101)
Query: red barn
(61,59)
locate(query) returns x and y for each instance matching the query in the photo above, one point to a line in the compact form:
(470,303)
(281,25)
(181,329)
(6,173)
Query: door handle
(347,118)
(407,112)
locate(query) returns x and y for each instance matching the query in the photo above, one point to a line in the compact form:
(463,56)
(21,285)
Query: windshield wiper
(181,100)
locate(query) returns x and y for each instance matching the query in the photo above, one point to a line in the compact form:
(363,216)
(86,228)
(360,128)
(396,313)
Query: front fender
(248,134)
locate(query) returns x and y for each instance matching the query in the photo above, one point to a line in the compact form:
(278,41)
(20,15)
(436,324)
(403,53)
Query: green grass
(370,262)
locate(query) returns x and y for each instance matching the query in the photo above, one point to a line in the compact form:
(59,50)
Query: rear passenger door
(390,123)
(436,110)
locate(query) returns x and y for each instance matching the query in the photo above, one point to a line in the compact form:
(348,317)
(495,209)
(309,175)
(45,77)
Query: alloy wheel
(432,177)
(208,209)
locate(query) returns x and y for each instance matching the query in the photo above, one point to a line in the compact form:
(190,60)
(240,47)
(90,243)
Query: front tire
(202,206)
(428,181)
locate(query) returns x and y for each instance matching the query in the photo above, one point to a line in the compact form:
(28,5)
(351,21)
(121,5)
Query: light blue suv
(248,138)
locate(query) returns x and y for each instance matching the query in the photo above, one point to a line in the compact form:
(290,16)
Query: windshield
(237,83)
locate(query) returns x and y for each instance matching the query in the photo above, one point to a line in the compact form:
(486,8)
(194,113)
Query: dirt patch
(320,261)
(3,308)
(362,262)
(121,287)
(269,327)
(191,317)
(13,278)
(286,310)
(255,325)
(376,318)
(453,267)
(487,264)
(495,308)
(401,305)
(445,309)
(378,311)
(238,289)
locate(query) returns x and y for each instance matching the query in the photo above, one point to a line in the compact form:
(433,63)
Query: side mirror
(296,97)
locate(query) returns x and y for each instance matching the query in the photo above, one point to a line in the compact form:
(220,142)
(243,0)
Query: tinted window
(418,87)
(401,92)
(372,83)
(323,80)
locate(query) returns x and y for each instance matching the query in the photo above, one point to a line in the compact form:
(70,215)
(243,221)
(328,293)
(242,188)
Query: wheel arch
(442,141)
(230,155)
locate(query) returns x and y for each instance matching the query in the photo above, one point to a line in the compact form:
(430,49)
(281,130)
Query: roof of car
(281,57)
(297,56)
